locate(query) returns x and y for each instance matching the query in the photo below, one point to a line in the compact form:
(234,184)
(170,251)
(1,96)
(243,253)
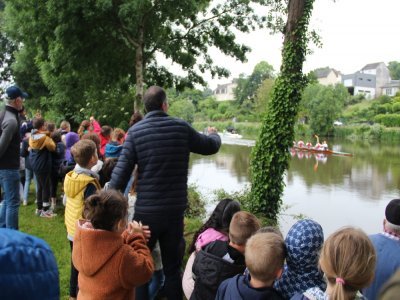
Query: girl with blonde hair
(348,261)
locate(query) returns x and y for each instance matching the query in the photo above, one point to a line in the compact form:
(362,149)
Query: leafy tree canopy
(394,68)
(323,105)
(84,43)
(247,86)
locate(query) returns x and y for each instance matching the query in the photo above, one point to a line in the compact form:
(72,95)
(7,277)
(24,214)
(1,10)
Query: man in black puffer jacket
(160,145)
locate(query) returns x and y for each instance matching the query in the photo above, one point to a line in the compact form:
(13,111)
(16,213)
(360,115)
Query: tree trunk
(270,156)
(139,71)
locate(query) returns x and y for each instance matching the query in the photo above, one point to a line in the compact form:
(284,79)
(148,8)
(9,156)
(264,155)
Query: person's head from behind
(155,98)
(136,117)
(107,210)
(118,135)
(38,123)
(106,131)
(303,243)
(265,255)
(391,223)
(243,225)
(85,127)
(50,127)
(85,153)
(108,167)
(270,229)
(56,136)
(219,220)
(348,261)
(65,126)
(95,138)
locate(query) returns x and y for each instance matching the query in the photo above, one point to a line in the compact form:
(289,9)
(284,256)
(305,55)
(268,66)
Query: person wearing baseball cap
(9,156)
(387,246)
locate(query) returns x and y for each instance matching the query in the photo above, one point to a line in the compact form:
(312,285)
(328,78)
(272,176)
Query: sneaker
(25,202)
(47,214)
(38,212)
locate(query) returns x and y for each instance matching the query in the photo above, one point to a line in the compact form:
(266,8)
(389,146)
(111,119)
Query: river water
(335,191)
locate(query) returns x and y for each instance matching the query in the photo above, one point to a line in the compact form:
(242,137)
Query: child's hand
(139,228)
(146,231)
(135,227)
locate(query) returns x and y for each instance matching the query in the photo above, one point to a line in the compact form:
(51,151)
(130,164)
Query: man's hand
(211,130)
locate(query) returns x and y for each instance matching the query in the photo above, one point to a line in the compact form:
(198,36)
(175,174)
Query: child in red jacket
(111,259)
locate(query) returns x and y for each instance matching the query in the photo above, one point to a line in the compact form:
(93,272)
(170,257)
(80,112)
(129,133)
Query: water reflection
(333,190)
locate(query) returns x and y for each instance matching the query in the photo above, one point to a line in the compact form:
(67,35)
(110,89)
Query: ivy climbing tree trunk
(270,156)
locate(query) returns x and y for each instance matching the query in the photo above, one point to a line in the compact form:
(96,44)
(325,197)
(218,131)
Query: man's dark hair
(154,98)
(37,123)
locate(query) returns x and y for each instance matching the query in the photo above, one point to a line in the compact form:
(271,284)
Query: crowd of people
(125,194)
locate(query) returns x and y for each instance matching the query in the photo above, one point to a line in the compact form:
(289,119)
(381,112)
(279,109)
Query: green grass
(54,233)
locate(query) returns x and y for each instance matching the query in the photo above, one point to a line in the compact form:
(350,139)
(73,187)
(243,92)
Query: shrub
(388,120)
(396,107)
(196,204)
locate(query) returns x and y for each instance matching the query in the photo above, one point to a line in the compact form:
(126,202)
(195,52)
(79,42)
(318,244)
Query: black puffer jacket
(161,145)
(213,264)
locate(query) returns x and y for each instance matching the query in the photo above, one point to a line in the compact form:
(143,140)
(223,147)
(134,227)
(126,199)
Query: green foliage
(182,109)
(270,157)
(84,44)
(263,95)
(196,204)
(384,99)
(249,130)
(247,86)
(394,68)
(388,120)
(323,105)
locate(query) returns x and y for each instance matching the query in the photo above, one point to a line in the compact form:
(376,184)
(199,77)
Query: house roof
(392,83)
(324,72)
(371,66)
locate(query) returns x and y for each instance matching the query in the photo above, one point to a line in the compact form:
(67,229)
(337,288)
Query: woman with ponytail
(110,254)
(215,228)
(348,261)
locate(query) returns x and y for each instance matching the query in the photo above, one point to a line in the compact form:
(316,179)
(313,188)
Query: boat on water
(230,135)
(323,151)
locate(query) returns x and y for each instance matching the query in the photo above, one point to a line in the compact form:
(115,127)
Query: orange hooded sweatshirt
(110,265)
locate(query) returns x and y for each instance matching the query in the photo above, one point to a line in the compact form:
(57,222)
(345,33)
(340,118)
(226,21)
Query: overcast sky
(353,32)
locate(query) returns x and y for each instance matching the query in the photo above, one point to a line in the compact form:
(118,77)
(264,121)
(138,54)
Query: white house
(328,76)
(225,92)
(360,83)
(382,75)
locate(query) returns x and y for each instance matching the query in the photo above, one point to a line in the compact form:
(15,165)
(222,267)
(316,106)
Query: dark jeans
(168,231)
(73,278)
(43,190)
(54,178)
(9,182)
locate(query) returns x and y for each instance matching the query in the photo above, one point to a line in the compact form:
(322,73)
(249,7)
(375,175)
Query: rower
(300,144)
(308,145)
(325,145)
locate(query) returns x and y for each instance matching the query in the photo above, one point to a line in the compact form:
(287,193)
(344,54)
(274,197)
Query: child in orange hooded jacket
(111,260)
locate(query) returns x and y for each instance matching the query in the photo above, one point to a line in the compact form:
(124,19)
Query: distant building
(225,92)
(382,74)
(391,88)
(360,83)
(328,76)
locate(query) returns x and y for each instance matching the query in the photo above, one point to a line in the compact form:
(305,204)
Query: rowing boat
(328,151)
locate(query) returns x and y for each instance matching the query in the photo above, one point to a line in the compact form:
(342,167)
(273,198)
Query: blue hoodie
(28,267)
(303,244)
(239,287)
(113,150)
